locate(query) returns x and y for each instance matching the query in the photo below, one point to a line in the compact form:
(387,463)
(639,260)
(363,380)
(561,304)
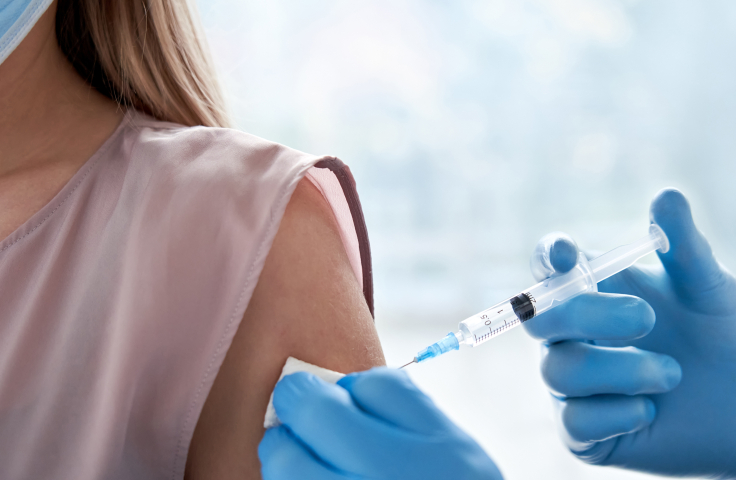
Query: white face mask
(17,17)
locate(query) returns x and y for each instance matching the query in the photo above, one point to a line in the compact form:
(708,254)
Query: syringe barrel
(559,288)
(489,323)
(541,297)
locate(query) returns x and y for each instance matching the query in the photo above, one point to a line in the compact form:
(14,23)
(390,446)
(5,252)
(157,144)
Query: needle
(413,361)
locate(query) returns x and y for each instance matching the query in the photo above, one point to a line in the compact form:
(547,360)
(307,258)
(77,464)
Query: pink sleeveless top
(120,298)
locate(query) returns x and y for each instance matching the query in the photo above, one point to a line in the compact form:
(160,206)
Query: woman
(155,269)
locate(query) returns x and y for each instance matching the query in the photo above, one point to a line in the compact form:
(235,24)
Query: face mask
(17,17)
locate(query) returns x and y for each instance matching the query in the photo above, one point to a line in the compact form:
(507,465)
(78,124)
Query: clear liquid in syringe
(489,323)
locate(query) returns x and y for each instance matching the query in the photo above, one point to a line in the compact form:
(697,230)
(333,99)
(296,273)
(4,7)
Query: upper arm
(307,304)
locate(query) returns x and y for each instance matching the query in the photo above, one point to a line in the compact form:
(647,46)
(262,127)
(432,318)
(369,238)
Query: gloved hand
(371,425)
(614,372)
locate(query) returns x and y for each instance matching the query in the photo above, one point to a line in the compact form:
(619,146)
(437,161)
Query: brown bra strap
(347,182)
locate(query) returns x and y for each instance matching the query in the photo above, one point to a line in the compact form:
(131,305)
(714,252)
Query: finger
(594,316)
(390,395)
(689,262)
(555,253)
(577,369)
(283,457)
(602,417)
(324,417)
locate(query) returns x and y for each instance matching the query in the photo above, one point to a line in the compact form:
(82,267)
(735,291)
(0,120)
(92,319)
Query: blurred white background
(474,127)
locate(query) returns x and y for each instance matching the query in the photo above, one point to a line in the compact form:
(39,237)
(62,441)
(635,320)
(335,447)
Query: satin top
(120,298)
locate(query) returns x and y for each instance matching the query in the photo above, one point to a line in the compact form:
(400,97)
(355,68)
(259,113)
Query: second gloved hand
(653,396)
(371,425)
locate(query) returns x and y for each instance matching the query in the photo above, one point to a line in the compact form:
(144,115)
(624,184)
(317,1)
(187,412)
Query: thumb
(689,262)
(554,253)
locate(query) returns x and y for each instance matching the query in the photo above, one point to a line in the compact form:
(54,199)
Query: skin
(307,303)
(51,122)
(320,317)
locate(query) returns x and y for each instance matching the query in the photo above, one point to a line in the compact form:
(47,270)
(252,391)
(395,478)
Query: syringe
(545,295)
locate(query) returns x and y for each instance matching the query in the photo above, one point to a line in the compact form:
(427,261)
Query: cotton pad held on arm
(293,365)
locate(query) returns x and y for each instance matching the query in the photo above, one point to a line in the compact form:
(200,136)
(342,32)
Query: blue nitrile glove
(371,425)
(615,372)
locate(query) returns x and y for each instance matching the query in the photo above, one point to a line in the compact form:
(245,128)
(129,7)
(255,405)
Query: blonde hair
(146,54)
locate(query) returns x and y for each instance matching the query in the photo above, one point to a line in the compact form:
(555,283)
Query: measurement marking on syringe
(492,333)
(505,327)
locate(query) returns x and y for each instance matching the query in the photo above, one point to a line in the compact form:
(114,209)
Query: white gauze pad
(293,365)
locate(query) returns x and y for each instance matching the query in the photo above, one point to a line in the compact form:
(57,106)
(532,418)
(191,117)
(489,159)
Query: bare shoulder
(307,304)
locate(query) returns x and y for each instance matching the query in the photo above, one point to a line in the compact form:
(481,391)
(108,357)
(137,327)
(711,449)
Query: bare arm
(307,304)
